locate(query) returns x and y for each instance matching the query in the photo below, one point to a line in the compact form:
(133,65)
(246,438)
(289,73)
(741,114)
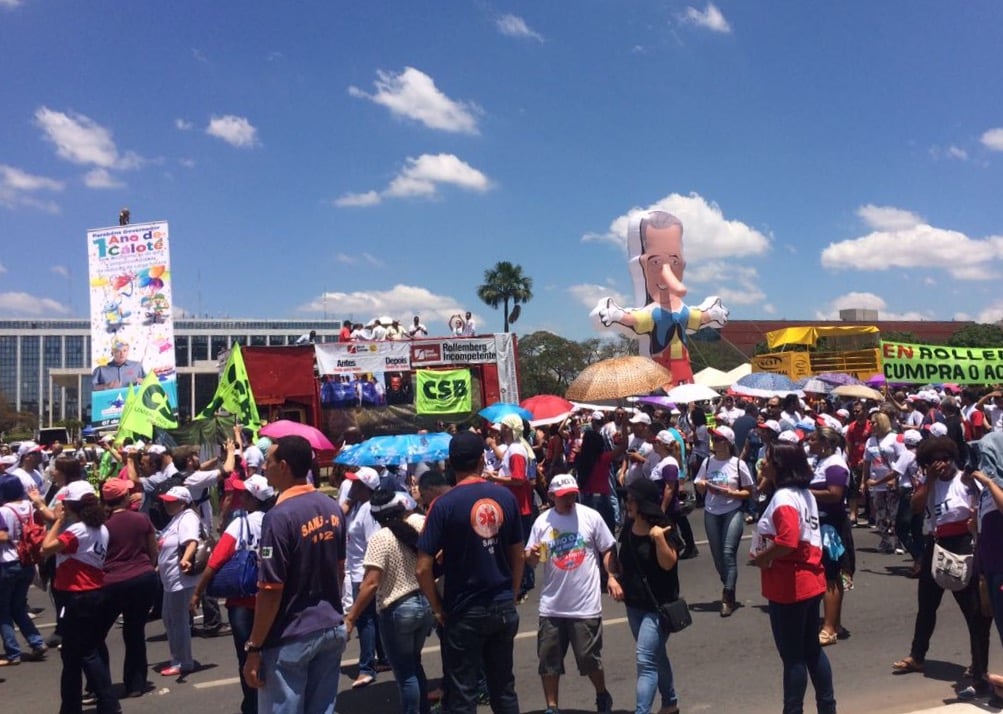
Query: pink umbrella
(284,427)
(547,406)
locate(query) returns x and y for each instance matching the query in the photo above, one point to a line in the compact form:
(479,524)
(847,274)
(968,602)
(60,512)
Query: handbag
(674,616)
(238,576)
(951,571)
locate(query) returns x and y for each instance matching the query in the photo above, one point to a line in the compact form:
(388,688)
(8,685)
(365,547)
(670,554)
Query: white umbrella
(686,393)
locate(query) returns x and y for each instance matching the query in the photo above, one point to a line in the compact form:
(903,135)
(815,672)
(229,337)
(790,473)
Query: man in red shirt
(857,434)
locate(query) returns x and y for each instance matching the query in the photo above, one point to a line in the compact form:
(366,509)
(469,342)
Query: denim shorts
(584,635)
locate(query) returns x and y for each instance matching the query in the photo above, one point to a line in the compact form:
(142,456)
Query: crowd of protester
(599,502)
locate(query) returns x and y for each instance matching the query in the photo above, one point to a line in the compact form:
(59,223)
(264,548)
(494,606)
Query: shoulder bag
(674,616)
(238,576)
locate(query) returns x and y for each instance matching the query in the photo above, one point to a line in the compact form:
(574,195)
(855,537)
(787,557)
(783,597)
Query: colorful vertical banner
(443,391)
(132,326)
(234,393)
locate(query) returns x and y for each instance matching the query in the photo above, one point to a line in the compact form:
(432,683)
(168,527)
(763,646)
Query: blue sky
(361,159)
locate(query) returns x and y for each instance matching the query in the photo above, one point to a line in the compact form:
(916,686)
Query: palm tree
(503,283)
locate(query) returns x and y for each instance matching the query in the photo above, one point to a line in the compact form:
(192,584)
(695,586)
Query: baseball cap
(640,418)
(912,437)
(157,449)
(598,416)
(465,448)
(563,484)
(177,493)
(725,432)
(107,438)
(938,429)
(771,424)
(77,490)
(665,437)
(115,488)
(27,447)
(844,413)
(367,476)
(257,485)
(496,426)
(789,436)
(398,500)
(8,460)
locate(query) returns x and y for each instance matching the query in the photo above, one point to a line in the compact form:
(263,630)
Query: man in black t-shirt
(477,528)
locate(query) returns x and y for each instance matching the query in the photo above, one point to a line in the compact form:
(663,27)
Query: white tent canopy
(713,378)
(740,371)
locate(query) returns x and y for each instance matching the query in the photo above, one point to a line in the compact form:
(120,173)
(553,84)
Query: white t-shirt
(30,479)
(949,502)
(469,328)
(253,459)
(574,543)
(361,527)
(732,474)
(912,420)
(907,469)
(181,529)
(882,455)
(728,416)
(249,526)
(636,469)
(994,415)
(656,473)
(197,484)
(12,515)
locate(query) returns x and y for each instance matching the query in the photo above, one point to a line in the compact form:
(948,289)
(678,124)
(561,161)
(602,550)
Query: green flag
(234,393)
(147,408)
(127,409)
(443,391)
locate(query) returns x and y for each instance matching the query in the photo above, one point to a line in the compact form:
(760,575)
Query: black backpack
(157,512)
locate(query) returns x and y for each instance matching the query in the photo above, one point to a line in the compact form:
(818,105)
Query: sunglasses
(939,458)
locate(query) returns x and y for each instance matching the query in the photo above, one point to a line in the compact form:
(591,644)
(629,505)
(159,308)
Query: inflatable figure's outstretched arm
(711,313)
(609,313)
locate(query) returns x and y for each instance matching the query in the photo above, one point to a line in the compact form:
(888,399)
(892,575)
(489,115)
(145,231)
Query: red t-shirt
(857,434)
(598,481)
(791,520)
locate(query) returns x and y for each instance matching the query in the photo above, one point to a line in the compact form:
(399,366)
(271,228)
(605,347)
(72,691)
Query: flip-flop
(827,638)
(907,665)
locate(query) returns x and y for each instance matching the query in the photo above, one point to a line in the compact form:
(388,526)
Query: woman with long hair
(405,615)
(950,500)
(79,540)
(881,452)
(725,481)
(828,486)
(648,556)
(250,500)
(788,550)
(130,579)
(15,579)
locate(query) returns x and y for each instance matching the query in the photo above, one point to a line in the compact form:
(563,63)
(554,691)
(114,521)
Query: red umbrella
(284,427)
(547,406)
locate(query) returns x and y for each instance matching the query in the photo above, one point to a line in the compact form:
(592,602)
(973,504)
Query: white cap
(789,436)
(938,429)
(771,424)
(911,437)
(177,493)
(665,437)
(725,432)
(367,476)
(157,449)
(8,460)
(640,418)
(845,413)
(563,484)
(399,500)
(27,447)
(77,490)
(598,415)
(258,486)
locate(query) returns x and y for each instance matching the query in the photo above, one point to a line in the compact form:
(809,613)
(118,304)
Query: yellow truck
(853,349)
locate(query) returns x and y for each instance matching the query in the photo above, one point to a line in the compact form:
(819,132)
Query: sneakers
(604,703)
(900,551)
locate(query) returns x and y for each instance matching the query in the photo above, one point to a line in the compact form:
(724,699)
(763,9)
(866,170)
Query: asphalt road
(721,664)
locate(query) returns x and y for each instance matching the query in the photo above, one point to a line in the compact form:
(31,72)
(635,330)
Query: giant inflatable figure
(656,264)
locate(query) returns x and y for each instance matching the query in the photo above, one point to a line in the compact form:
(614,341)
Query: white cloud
(904,240)
(515,26)
(588,294)
(199,56)
(17,188)
(183,125)
(16,304)
(993,139)
(235,131)
(363,257)
(734,284)
(868,301)
(413,94)
(400,301)
(81,140)
(421,178)
(962,317)
(100,178)
(187,163)
(3,268)
(770,309)
(60,270)
(349,200)
(10,3)
(888,218)
(956,152)
(708,234)
(711,18)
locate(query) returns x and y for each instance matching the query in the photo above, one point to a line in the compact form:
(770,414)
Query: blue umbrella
(813,385)
(769,381)
(498,410)
(838,379)
(402,448)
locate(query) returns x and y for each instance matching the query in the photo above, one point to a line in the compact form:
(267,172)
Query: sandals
(827,638)
(907,665)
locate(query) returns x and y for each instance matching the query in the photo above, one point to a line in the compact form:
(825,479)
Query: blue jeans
(366,626)
(795,632)
(724,534)
(14,583)
(241,620)
(404,625)
(301,675)
(654,672)
(480,639)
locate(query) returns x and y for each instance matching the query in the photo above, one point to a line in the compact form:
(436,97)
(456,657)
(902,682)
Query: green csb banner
(234,393)
(923,364)
(443,391)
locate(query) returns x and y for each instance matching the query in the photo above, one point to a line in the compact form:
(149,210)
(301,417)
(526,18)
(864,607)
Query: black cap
(465,449)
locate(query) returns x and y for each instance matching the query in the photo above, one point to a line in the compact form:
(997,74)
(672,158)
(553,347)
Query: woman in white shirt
(178,541)
(881,452)
(725,481)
